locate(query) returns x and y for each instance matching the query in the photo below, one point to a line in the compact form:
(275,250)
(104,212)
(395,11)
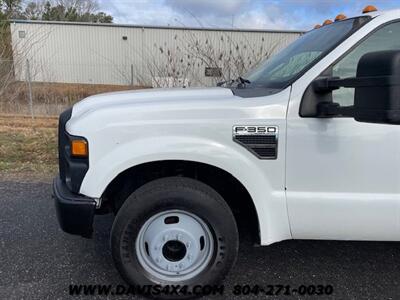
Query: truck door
(343,176)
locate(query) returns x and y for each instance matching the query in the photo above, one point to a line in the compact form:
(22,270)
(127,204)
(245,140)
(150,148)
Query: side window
(386,38)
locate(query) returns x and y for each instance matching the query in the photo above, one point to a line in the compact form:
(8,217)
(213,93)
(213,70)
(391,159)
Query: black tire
(174,193)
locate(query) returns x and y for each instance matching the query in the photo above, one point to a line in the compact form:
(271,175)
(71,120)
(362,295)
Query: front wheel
(174,231)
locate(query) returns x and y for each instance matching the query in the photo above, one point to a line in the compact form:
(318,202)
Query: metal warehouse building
(138,55)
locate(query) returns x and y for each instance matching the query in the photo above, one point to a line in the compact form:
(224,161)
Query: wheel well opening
(232,190)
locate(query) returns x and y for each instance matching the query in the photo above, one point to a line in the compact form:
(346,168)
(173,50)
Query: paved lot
(39,261)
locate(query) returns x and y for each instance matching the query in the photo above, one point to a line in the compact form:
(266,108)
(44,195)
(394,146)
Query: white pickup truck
(307,145)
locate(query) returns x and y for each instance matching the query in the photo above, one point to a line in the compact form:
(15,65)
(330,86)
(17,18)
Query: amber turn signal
(79,148)
(340,17)
(369,8)
(317,26)
(327,22)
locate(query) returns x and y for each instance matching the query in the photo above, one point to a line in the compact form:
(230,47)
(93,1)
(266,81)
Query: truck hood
(150,97)
(172,108)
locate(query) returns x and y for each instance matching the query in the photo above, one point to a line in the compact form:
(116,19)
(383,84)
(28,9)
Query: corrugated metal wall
(123,55)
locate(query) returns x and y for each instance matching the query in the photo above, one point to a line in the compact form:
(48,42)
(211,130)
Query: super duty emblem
(254,130)
(261,140)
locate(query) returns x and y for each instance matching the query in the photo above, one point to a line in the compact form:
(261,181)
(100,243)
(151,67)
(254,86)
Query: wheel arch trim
(270,204)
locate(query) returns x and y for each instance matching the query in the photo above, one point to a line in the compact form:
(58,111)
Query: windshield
(283,68)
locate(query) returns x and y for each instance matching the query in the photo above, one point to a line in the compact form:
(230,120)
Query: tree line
(53,10)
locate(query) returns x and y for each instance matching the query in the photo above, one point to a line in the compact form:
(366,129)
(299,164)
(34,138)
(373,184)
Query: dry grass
(28,148)
(50,98)
(68,92)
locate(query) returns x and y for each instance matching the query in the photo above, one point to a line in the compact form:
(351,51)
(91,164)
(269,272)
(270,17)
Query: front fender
(269,203)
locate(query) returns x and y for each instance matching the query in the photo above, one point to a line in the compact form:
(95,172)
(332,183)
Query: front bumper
(75,212)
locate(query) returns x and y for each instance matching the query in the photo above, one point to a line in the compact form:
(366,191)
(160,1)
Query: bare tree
(82,7)
(195,51)
(11,8)
(34,10)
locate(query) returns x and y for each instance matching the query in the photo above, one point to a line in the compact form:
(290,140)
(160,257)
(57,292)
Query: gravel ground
(39,261)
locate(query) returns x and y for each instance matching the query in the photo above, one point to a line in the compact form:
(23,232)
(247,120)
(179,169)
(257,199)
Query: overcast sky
(261,14)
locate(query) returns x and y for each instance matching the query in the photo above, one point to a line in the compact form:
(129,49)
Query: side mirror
(377,90)
(378,100)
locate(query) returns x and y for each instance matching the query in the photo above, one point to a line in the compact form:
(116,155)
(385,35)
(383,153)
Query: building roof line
(155,27)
